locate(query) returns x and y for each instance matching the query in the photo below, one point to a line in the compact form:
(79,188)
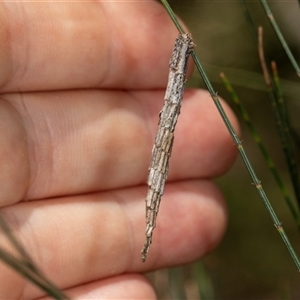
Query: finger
(129,286)
(81,239)
(70,142)
(67,45)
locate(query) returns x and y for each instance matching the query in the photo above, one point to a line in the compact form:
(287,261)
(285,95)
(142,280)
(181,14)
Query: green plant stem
(248,79)
(203,280)
(26,258)
(285,131)
(280,114)
(169,10)
(249,18)
(262,148)
(238,143)
(176,285)
(25,266)
(31,275)
(278,93)
(280,36)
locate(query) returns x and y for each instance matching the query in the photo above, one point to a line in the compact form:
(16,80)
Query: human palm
(81,88)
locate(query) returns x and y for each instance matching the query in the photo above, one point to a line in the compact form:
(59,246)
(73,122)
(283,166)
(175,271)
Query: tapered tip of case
(143,258)
(144,254)
(145,251)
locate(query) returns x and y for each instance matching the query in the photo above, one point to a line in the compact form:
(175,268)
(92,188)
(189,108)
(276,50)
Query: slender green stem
(25,266)
(249,18)
(31,275)
(285,132)
(176,285)
(280,36)
(172,15)
(238,143)
(203,280)
(265,153)
(278,93)
(280,114)
(247,79)
(26,258)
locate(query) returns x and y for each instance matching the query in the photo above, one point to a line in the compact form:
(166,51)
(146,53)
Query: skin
(81,88)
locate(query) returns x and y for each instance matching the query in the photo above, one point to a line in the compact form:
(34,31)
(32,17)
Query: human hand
(82,85)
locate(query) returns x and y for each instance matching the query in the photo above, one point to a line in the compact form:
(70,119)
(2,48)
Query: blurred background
(252,261)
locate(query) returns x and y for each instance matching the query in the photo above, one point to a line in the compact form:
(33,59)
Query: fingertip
(128,286)
(202,215)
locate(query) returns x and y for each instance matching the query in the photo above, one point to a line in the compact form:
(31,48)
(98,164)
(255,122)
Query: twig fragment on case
(161,152)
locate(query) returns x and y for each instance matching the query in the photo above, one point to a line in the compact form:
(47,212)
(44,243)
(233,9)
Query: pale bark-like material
(161,152)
